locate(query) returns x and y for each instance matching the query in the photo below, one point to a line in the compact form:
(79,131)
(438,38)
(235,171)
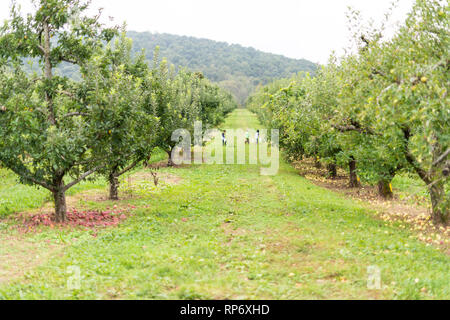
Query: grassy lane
(225,232)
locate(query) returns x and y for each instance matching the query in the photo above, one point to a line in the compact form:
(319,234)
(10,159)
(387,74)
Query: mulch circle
(75,218)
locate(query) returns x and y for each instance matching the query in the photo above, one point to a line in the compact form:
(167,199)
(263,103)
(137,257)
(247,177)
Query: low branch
(34,180)
(363,38)
(81,178)
(130,167)
(355,127)
(411,159)
(442,158)
(422,173)
(345,128)
(42,184)
(41,48)
(68,60)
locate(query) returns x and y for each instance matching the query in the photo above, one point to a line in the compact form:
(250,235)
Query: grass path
(225,232)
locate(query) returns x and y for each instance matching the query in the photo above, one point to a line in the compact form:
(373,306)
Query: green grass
(411,187)
(16,197)
(225,232)
(241,119)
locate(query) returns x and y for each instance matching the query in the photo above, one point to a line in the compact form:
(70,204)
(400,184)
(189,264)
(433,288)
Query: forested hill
(238,69)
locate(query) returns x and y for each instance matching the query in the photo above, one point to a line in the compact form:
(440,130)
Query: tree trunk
(113,187)
(48,71)
(170,161)
(332,170)
(354,183)
(439,200)
(59,196)
(434,179)
(385,189)
(440,210)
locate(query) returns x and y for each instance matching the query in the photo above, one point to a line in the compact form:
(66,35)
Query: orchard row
(56,132)
(379,111)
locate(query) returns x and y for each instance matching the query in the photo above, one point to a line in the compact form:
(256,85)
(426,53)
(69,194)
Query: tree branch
(378,72)
(34,180)
(411,160)
(82,177)
(442,158)
(356,127)
(67,93)
(68,60)
(130,167)
(41,48)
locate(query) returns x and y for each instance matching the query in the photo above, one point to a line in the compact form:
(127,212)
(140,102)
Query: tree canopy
(381,110)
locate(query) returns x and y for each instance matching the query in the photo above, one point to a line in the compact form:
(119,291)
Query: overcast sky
(309,29)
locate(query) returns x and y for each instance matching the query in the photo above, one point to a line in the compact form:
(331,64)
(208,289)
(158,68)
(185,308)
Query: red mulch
(85,219)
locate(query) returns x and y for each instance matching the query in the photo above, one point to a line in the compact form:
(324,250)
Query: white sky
(309,29)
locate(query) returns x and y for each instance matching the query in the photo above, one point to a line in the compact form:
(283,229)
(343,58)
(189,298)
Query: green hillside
(235,68)
(238,69)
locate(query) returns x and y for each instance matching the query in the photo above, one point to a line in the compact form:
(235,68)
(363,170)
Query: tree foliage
(114,85)
(56,131)
(180,99)
(47,128)
(385,107)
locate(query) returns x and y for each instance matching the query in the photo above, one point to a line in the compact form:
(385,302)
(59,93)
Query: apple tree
(47,128)
(414,103)
(114,84)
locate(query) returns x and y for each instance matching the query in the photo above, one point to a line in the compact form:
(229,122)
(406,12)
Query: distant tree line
(235,68)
